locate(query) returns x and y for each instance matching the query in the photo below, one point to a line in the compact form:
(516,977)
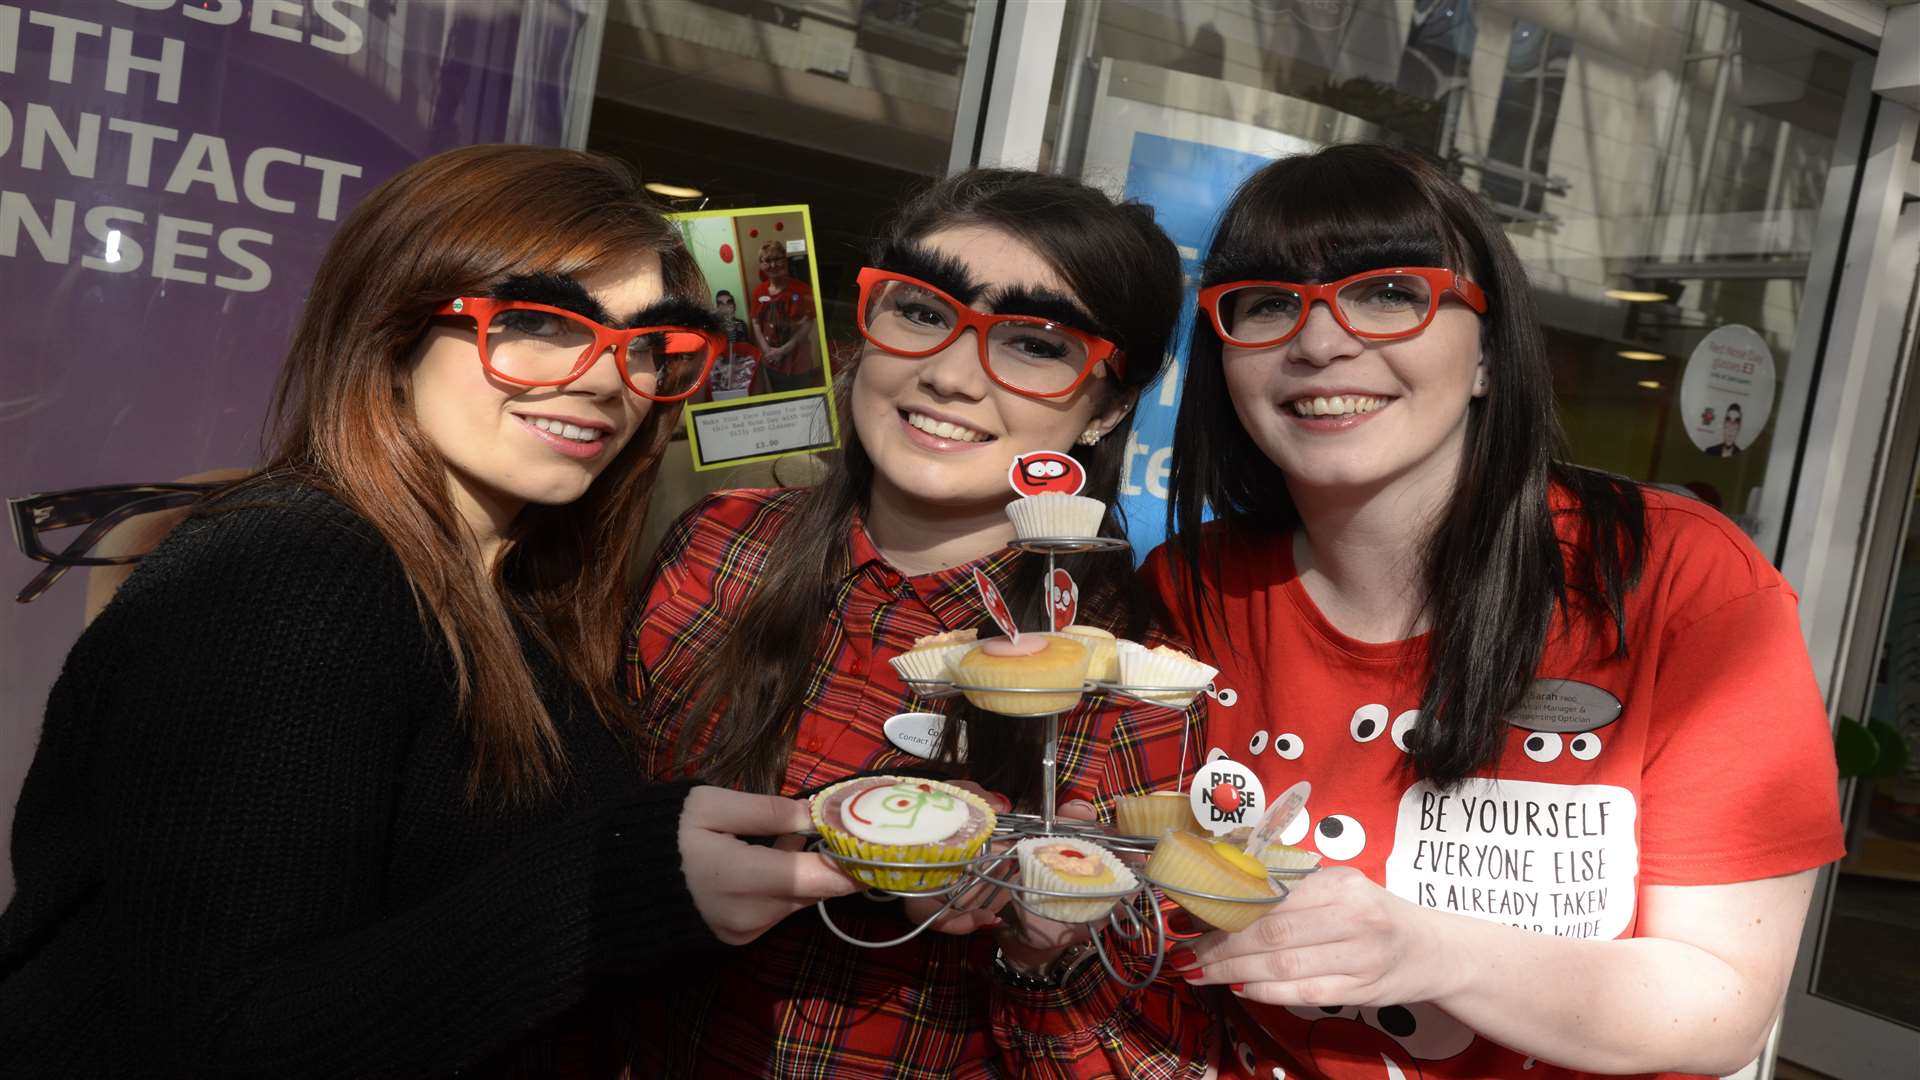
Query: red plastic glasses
(532,344)
(1023,353)
(1379,305)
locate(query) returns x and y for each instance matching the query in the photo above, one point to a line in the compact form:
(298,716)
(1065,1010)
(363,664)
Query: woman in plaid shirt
(760,652)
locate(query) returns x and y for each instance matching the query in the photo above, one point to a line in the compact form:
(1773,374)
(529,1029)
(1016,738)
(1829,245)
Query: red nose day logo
(1046,472)
(1063,598)
(996,605)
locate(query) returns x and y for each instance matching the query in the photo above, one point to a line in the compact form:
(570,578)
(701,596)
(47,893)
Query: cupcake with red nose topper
(1050,505)
(899,819)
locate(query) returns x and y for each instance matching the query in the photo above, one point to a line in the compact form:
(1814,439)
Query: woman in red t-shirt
(1586,841)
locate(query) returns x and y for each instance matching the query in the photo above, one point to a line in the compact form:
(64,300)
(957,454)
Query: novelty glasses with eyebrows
(1380,305)
(40,523)
(1023,353)
(531,344)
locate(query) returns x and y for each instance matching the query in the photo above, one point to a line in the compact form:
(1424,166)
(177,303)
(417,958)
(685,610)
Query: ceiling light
(1633,296)
(1650,384)
(678,191)
(1640,354)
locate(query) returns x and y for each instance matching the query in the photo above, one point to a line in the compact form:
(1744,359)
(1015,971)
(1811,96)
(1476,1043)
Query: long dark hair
(1493,570)
(453,225)
(1127,274)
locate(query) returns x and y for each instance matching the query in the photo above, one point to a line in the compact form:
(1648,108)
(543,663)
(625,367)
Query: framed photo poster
(770,393)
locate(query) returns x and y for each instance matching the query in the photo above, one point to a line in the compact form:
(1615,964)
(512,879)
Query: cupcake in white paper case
(932,657)
(1071,866)
(1163,666)
(1053,516)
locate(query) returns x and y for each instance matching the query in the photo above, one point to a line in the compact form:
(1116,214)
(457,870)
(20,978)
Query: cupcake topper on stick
(996,605)
(1063,599)
(1278,817)
(1046,472)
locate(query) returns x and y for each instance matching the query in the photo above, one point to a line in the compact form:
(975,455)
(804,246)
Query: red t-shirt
(1719,768)
(778,316)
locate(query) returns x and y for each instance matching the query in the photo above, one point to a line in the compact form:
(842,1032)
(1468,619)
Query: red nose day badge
(996,605)
(1046,472)
(1063,599)
(1226,795)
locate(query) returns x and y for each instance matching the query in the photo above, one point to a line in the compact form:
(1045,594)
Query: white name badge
(918,733)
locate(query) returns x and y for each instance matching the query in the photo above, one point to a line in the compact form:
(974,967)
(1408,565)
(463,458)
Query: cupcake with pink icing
(899,819)
(1033,662)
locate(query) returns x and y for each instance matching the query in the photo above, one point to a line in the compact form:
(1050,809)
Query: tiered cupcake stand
(1136,916)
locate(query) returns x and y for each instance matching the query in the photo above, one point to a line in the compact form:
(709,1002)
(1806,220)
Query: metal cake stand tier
(981,882)
(978,883)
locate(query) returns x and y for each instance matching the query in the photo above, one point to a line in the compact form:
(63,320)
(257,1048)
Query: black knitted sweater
(245,846)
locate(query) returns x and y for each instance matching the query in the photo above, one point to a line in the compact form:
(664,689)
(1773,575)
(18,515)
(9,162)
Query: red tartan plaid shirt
(799,1002)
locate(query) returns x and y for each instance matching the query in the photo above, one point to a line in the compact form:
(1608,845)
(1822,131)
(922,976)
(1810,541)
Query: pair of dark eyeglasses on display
(44,524)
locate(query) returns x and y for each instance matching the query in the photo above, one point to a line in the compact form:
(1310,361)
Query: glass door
(1854,1007)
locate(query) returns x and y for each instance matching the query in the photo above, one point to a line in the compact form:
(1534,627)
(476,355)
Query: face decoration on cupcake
(908,812)
(1046,472)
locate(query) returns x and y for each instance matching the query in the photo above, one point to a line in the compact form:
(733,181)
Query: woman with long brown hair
(340,782)
(1005,312)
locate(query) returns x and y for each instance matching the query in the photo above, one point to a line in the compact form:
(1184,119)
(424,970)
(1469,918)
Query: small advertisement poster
(1726,393)
(770,391)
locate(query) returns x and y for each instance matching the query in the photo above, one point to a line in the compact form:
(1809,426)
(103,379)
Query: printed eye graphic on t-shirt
(1388,1042)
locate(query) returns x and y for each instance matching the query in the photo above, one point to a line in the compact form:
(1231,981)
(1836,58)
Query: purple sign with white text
(170,174)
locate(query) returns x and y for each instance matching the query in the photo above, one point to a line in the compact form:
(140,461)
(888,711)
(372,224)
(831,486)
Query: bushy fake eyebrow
(676,311)
(1055,307)
(563,291)
(943,272)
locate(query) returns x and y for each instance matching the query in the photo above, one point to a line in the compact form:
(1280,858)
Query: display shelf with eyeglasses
(1064,870)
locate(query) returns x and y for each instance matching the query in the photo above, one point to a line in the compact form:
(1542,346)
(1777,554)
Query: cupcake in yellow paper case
(1154,814)
(1217,867)
(1061,865)
(901,819)
(1034,662)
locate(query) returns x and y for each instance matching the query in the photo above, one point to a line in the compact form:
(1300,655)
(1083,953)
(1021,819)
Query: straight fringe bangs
(1493,569)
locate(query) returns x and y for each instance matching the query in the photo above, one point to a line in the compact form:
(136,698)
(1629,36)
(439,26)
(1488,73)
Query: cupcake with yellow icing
(931,658)
(1104,664)
(1289,861)
(900,819)
(1071,866)
(1185,861)
(1034,662)
(1154,814)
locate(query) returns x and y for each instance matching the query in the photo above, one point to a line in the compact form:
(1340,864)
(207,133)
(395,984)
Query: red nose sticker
(1046,472)
(1226,796)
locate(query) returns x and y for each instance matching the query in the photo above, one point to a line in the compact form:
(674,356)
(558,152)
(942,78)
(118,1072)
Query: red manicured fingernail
(1195,975)
(1182,956)
(1237,987)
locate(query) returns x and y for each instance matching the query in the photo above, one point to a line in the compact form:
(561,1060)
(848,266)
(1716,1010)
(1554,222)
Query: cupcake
(932,656)
(904,820)
(1105,664)
(1210,867)
(1036,661)
(1074,866)
(1154,815)
(1289,861)
(1054,516)
(1163,666)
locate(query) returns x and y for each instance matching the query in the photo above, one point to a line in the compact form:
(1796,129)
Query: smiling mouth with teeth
(1338,405)
(940,429)
(565,431)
